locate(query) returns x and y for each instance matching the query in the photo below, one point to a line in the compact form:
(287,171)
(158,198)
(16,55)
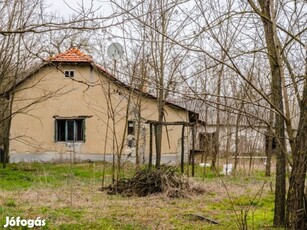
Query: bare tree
(164,58)
(278,43)
(281,43)
(15,60)
(29,34)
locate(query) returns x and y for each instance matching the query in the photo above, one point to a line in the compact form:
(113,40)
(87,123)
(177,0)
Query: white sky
(62,7)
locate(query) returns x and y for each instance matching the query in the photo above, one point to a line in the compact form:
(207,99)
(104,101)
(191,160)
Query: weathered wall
(48,93)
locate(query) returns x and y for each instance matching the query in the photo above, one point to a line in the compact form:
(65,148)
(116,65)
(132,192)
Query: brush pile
(148,181)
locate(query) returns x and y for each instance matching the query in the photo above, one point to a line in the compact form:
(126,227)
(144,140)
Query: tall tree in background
(277,101)
(159,29)
(295,216)
(274,57)
(283,43)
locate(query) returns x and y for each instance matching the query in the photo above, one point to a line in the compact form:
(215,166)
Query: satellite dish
(115,51)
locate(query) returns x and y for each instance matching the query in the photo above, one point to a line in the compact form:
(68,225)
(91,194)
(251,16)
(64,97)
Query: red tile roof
(76,56)
(72,55)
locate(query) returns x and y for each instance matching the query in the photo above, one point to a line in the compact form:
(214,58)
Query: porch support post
(193,150)
(150,145)
(182,149)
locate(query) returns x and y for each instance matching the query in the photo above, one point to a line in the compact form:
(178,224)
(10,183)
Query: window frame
(69,73)
(78,126)
(130,127)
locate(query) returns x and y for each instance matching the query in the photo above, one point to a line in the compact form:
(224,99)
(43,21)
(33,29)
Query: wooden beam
(182,149)
(158,157)
(193,150)
(150,145)
(170,123)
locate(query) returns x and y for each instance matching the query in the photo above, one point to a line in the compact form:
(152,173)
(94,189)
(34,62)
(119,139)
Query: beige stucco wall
(48,93)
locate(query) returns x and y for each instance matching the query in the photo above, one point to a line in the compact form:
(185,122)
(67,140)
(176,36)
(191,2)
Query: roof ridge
(71,55)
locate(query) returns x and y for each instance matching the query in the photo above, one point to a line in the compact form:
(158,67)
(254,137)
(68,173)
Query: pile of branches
(148,181)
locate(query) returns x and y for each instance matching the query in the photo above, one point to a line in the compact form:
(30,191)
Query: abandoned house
(69,104)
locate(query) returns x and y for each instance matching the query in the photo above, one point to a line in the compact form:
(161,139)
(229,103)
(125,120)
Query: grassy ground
(69,198)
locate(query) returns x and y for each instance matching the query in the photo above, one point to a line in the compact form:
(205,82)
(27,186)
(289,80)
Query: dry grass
(78,204)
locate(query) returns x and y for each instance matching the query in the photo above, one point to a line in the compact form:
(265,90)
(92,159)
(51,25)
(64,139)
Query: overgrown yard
(70,198)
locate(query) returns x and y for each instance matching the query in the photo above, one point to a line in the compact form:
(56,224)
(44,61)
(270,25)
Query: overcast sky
(63,7)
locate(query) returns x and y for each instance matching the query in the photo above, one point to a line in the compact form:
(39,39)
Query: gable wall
(48,93)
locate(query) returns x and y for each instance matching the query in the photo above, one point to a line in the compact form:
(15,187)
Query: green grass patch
(45,190)
(26,175)
(103,223)
(259,211)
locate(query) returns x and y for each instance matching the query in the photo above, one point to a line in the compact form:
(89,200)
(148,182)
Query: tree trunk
(216,140)
(237,150)
(6,130)
(277,101)
(269,146)
(296,210)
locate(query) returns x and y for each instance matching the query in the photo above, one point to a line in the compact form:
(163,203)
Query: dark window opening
(69,130)
(80,129)
(193,117)
(130,127)
(60,126)
(70,125)
(69,73)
